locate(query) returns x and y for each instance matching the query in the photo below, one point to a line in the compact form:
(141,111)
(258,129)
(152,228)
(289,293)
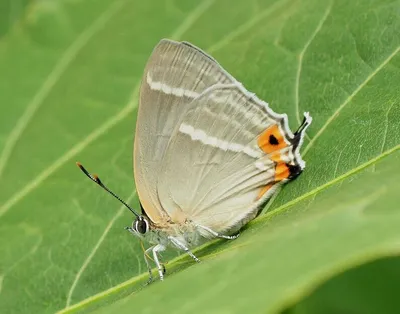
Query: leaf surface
(69,76)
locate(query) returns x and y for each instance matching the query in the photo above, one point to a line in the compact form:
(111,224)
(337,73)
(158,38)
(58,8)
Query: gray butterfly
(207,154)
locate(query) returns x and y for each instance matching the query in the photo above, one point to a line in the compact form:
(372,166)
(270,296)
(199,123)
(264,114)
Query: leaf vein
(61,66)
(348,99)
(386,129)
(191,18)
(301,57)
(32,185)
(332,182)
(246,26)
(94,250)
(20,260)
(386,126)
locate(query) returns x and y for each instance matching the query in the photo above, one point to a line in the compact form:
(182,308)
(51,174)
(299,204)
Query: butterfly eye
(141,225)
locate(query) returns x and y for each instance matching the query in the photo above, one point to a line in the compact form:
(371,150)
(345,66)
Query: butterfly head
(141,225)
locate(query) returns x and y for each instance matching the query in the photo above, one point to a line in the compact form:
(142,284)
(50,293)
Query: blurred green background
(69,77)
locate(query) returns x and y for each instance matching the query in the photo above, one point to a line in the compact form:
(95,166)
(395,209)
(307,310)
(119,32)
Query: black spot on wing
(273,140)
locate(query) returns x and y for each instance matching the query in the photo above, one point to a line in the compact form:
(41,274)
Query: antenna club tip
(79,164)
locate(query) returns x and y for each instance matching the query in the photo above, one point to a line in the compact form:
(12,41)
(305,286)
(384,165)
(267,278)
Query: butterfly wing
(175,74)
(227,155)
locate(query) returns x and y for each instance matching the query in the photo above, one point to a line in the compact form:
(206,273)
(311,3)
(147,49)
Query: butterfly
(208,154)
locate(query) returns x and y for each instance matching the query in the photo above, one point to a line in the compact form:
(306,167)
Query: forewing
(220,166)
(175,74)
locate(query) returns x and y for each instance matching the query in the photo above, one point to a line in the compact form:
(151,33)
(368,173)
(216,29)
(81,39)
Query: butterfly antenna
(97,180)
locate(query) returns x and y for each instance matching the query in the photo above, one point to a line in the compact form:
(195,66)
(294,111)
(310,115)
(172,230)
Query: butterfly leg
(130,230)
(161,269)
(216,234)
(181,246)
(146,259)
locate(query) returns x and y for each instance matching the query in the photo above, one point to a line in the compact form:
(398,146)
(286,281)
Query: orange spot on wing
(264,190)
(275,157)
(281,172)
(271,140)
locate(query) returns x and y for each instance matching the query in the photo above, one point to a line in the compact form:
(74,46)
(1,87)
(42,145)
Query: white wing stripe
(176,91)
(200,135)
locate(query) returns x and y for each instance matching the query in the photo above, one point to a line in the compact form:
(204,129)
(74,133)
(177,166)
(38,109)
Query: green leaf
(348,292)
(70,72)
(11,12)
